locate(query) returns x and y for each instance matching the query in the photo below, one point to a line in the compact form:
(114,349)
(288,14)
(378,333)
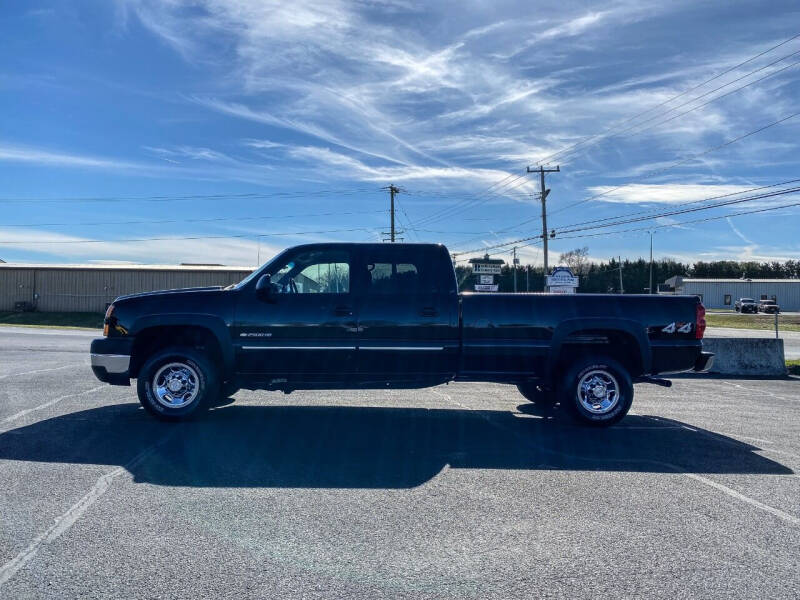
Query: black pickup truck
(322,316)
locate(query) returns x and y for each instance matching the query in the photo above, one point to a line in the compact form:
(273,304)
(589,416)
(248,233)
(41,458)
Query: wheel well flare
(151,340)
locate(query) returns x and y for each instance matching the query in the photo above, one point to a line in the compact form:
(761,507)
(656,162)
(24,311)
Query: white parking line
(22,413)
(762,392)
(41,370)
(718,486)
(66,520)
(739,496)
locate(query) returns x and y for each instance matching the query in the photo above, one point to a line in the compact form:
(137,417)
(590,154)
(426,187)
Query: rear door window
(394,273)
(393,278)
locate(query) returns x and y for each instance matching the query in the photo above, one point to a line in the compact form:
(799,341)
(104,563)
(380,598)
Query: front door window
(314,272)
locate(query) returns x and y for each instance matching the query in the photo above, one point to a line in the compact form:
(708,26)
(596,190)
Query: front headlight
(107,319)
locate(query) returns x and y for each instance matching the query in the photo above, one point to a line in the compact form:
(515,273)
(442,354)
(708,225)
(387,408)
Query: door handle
(429,311)
(343,311)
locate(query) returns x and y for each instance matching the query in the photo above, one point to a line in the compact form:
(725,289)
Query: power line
(504,183)
(712,99)
(408,221)
(208,220)
(194,237)
(686,210)
(469,203)
(652,210)
(654,174)
(652,227)
(794,64)
(645,218)
(675,164)
(169,198)
(703,220)
(610,130)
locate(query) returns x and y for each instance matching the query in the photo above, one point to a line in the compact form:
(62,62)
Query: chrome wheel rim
(176,385)
(598,391)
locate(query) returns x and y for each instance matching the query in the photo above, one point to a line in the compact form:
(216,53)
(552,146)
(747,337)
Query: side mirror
(264,287)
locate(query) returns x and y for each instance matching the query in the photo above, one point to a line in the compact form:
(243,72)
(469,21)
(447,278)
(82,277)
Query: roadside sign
(561,289)
(562,277)
(486,279)
(479,287)
(486,269)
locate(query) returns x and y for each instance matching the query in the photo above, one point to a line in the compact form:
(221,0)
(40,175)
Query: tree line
(604,277)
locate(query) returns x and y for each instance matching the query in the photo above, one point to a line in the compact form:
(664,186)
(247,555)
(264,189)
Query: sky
(210,131)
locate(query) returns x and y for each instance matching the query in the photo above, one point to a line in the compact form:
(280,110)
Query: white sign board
(485,288)
(562,277)
(486,269)
(486,279)
(562,289)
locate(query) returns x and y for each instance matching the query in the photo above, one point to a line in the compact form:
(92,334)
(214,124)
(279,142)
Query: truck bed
(505,333)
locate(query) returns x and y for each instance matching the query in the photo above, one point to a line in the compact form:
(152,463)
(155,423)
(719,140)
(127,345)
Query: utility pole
(541,170)
(621,290)
(651,262)
(527,278)
(393,189)
(514,265)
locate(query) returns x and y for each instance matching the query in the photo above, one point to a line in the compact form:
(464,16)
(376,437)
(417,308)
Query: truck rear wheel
(596,390)
(176,383)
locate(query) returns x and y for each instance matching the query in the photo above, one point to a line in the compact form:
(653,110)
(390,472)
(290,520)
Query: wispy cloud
(664,193)
(40,156)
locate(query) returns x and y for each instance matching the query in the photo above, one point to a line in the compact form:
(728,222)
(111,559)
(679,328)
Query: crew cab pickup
(323,316)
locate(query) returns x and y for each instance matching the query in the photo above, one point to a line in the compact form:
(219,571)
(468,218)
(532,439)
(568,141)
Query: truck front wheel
(596,390)
(176,383)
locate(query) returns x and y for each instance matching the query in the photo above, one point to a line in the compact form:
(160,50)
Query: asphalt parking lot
(460,491)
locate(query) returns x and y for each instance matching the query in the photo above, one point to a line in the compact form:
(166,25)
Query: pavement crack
(47,404)
(66,520)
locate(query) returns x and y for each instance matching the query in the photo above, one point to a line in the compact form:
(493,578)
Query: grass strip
(61,320)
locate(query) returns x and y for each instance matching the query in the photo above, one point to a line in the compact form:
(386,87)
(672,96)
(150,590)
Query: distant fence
(89,288)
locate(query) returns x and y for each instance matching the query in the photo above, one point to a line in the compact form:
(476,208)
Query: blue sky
(285,120)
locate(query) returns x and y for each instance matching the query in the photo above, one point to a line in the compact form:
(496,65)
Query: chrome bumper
(704,362)
(112,363)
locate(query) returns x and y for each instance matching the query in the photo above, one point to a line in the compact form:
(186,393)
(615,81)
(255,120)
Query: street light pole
(651,262)
(514,264)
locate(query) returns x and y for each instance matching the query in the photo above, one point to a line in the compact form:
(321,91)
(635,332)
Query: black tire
(201,387)
(536,394)
(575,394)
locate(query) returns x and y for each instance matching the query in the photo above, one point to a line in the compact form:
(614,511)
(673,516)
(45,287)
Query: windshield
(256,273)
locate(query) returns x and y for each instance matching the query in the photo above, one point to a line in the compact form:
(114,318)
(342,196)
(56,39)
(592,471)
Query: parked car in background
(769,306)
(746,305)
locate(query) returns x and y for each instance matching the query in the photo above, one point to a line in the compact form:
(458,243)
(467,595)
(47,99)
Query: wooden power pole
(393,189)
(545,192)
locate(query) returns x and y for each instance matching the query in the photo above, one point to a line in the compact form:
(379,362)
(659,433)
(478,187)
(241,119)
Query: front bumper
(111,360)
(704,362)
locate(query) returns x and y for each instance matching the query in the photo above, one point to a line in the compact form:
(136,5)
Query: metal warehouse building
(723,293)
(89,288)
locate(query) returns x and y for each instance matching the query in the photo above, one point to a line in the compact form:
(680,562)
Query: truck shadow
(355,447)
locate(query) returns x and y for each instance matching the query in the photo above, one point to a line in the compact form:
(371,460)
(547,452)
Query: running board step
(654,380)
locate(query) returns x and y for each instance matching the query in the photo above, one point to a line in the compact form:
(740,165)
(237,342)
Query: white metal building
(723,293)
